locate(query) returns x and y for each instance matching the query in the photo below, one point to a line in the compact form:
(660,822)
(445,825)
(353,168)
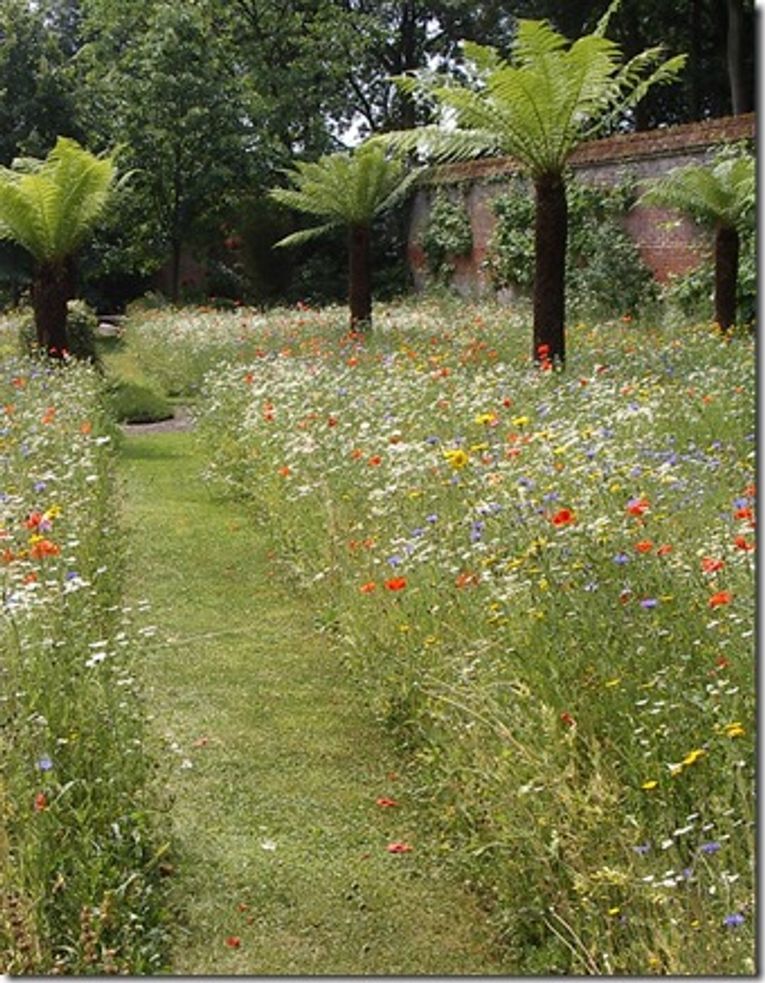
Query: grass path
(281,843)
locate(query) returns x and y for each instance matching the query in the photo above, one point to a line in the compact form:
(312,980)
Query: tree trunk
(175,272)
(51,289)
(359,278)
(734,56)
(550,234)
(726,275)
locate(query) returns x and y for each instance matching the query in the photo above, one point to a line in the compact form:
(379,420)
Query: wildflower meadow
(79,846)
(544,583)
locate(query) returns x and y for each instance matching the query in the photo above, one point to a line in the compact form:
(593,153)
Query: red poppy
(368,587)
(41,802)
(249,378)
(744,513)
(385,803)
(399,848)
(374,461)
(664,550)
(721,597)
(285,472)
(332,421)
(564,517)
(567,719)
(233,941)
(396,583)
(644,546)
(742,544)
(711,565)
(637,506)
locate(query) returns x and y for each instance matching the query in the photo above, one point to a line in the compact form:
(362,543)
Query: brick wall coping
(660,142)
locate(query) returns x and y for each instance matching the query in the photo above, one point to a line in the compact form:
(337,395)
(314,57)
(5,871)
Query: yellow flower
(613,682)
(734,729)
(651,783)
(520,421)
(486,418)
(614,911)
(693,756)
(457,458)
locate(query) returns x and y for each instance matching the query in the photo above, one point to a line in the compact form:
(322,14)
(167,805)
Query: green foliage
(447,235)
(723,192)
(345,189)
(50,206)
(81,325)
(541,104)
(133,402)
(690,295)
(605,272)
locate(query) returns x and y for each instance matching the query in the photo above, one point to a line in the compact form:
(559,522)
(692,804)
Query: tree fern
(49,207)
(347,190)
(537,107)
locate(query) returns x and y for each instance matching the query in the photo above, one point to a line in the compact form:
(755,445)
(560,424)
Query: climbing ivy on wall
(447,235)
(605,274)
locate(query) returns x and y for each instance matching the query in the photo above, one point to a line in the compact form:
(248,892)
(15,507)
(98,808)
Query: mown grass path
(277,769)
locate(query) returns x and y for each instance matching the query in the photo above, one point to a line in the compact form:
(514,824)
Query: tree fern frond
(306,235)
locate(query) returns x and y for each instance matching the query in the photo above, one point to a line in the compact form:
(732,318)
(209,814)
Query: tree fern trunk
(550,233)
(50,292)
(359,277)
(726,275)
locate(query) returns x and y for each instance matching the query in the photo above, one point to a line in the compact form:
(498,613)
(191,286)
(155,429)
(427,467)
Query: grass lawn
(275,764)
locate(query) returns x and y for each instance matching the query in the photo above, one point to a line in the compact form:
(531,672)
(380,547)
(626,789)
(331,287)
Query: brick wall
(668,242)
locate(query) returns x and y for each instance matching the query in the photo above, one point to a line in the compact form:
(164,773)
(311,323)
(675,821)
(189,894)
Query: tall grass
(546,583)
(80,848)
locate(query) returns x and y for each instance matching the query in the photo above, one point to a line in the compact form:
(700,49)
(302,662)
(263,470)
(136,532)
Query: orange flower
(644,546)
(33,520)
(399,848)
(721,597)
(285,471)
(385,803)
(44,548)
(368,587)
(85,427)
(374,461)
(664,550)
(466,579)
(396,583)
(41,802)
(564,517)
(742,544)
(711,565)
(356,453)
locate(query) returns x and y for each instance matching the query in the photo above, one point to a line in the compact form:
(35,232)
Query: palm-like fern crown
(346,189)
(539,106)
(721,193)
(50,206)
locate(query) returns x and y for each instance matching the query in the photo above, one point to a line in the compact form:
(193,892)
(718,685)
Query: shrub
(605,274)
(132,402)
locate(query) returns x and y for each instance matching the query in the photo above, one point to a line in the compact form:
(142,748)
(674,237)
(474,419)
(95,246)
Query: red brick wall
(668,243)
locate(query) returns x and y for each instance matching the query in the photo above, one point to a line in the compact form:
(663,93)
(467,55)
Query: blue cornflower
(395,560)
(648,603)
(621,559)
(734,920)
(712,847)
(432,518)
(642,848)
(476,531)
(44,763)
